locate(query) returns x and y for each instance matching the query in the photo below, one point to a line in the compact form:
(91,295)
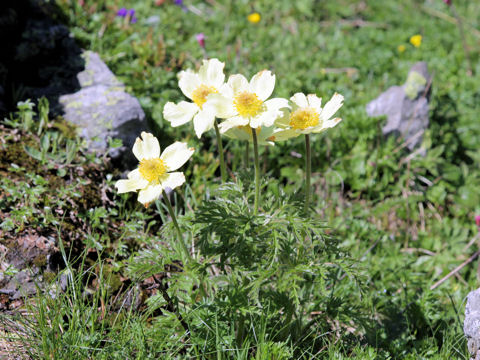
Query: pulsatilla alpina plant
(241,261)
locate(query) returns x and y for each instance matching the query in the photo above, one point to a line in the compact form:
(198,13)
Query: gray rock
(471,325)
(102,108)
(28,255)
(405,106)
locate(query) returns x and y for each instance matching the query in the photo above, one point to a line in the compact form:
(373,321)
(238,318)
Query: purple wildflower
(201,40)
(131,12)
(181,4)
(448,2)
(133,20)
(122,12)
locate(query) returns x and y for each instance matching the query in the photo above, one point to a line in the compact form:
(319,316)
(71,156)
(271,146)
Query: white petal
(331,107)
(203,121)
(179,114)
(149,148)
(238,83)
(222,106)
(176,155)
(134,175)
(263,84)
(326,125)
(266,118)
(188,82)
(124,186)
(232,122)
(276,104)
(285,134)
(238,134)
(149,194)
(173,180)
(284,120)
(315,102)
(226,91)
(211,73)
(300,100)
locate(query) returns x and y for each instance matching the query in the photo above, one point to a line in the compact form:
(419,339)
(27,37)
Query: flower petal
(179,114)
(188,82)
(222,106)
(124,186)
(315,102)
(285,134)
(176,155)
(276,104)
(331,107)
(238,83)
(173,180)
(263,84)
(300,100)
(211,73)
(266,118)
(203,121)
(238,134)
(150,193)
(134,175)
(284,120)
(149,148)
(231,122)
(326,125)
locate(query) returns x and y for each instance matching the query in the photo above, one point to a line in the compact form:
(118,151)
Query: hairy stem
(223,170)
(308,171)
(257,171)
(247,154)
(175,223)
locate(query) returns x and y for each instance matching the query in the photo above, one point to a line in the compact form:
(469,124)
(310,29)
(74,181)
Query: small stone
(405,106)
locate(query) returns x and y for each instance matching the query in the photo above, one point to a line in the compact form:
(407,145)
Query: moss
(91,197)
(49,276)
(66,128)
(14,152)
(40,260)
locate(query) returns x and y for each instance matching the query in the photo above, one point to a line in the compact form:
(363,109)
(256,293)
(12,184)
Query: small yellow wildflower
(416,40)
(254,17)
(401,48)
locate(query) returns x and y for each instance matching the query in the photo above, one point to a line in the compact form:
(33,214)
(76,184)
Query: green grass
(386,227)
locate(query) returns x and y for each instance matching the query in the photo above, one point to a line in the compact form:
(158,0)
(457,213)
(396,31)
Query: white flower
(197,87)
(307,116)
(153,173)
(265,135)
(244,103)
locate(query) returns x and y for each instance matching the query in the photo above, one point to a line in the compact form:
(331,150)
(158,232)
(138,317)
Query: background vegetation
(388,225)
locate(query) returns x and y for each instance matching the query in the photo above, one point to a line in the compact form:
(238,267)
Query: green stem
(257,171)
(223,170)
(308,170)
(175,223)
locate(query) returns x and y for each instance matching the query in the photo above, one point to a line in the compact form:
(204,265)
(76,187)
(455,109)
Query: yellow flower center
(247,104)
(199,95)
(152,169)
(303,118)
